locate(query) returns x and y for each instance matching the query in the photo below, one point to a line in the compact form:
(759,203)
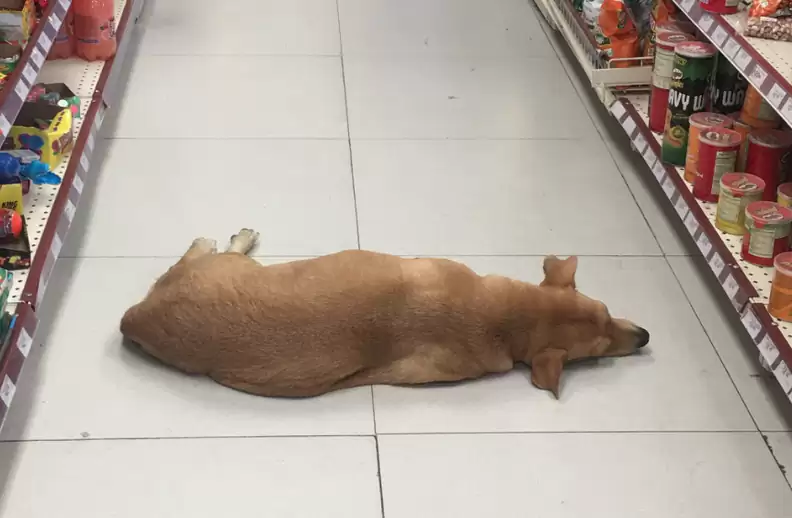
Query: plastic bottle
(94,29)
(63,46)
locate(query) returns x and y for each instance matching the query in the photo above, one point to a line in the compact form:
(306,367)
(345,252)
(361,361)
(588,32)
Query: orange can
(701,122)
(780,305)
(757,112)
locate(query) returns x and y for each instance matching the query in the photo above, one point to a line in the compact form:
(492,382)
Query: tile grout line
(348,132)
(441,256)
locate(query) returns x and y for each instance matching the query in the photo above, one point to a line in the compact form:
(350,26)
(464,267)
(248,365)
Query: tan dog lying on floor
(360,318)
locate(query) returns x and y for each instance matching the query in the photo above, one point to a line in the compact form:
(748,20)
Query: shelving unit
(768,67)
(50,209)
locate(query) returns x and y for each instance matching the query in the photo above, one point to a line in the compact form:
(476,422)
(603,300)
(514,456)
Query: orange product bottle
(63,46)
(94,29)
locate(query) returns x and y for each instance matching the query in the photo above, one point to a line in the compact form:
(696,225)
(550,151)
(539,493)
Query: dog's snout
(643,337)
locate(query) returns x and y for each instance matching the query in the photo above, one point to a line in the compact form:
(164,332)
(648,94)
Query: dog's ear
(560,272)
(546,369)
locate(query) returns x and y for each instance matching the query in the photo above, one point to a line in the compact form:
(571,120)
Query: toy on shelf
(94,29)
(55,94)
(26,166)
(44,129)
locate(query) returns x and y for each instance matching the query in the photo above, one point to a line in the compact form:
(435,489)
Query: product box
(15,253)
(45,129)
(68,99)
(17,18)
(11,197)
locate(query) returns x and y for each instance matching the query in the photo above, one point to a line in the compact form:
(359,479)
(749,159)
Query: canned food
(737,191)
(767,226)
(780,305)
(728,87)
(720,6)
(785,195)
(701,122)
(768,157)
(743,129)
(717,155)
(661,76)
(757,112)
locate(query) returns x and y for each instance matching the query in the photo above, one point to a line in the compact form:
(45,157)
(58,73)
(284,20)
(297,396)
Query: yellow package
(44,129)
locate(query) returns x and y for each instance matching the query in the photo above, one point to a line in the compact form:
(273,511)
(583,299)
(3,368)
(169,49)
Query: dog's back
(307,327)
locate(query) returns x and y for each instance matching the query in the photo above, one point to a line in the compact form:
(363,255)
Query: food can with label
(720,6)
(758,113)
(785,195)
(728,87)
(717,155)
(700,122)
(768,158)
(737,191)
(743,129)
(767,226)
(688,94)
(780,305)
(661,76)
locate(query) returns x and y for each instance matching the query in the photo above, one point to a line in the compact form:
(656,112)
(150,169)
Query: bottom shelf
(747,286)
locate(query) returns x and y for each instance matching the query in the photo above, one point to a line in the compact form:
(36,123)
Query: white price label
(640,143)
(4,125)
(22,89)
(751,323)
(705,22)
(46,42)
(37,57)
(782,374)
(681,207)
(668,187)
(100,115)
(89,143)
(731,47)
(768,350)
(731,287)
(24,343)
(719,36)
(69,210)
(64,4)
(691,224)
(78,184)
(687,5)
(659,170)
(629,126)
(29,73)
(84,163)
(649,156)
(742,59)
(704,245)
(776,95)
(57,244)
(617,109)
(717,264)
(758,75)
(786,110)
(7,390)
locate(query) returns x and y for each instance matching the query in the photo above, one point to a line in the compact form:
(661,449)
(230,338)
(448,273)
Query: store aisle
(416,127)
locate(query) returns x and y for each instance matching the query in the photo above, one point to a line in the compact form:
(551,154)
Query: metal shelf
(50,209)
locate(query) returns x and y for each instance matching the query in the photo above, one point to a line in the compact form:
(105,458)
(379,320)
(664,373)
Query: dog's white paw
(205,245)
(243,241)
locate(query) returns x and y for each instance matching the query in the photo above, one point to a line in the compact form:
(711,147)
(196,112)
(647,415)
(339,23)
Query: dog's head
(582,328)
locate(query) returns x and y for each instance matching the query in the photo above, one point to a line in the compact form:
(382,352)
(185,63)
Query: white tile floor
(471,136)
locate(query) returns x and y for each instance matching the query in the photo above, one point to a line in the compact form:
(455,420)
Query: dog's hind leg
(243,242)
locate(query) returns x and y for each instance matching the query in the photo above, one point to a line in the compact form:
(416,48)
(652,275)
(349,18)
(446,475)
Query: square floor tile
(574,475)
(495,197)
(85,383)
(327,477)
(207,27)
(676,384)
(463,98)
(766,402)
(442,28)
(155,196)
(276,97)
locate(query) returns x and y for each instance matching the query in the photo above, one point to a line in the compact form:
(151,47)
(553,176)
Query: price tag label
(731,47)
(55,21)
(687,5)
(691,224)
(29,73)
(716,263)
(704,245)
(705,22)
(659,170)
(782,374)
(617,109)
(100,115)
(4,125)
(681,207)
(786,110)
(640,143)
(649,156)
(776,95)
(668,187)
(89,143)
(629,126)
(45,42)
(7,390)
(24,343)
(758,75)
(719,36)
(731,287)
(84,163)
(78,184)
(37,57)
(21,89)
(742,59)
(768,350)
(57,244)
(751,323)
(69,210)
(64,4)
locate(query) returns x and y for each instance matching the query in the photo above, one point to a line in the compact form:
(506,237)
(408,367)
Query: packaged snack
(616,25)
(770,19)
(94,29)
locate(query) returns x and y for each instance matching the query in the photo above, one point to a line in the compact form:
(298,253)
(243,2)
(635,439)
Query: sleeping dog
(354,318)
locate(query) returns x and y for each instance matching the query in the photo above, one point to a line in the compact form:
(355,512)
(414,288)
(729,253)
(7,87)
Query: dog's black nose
(643,337)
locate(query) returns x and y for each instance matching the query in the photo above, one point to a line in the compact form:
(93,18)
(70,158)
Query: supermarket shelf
(766,63)
(747,286)
(50,209)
